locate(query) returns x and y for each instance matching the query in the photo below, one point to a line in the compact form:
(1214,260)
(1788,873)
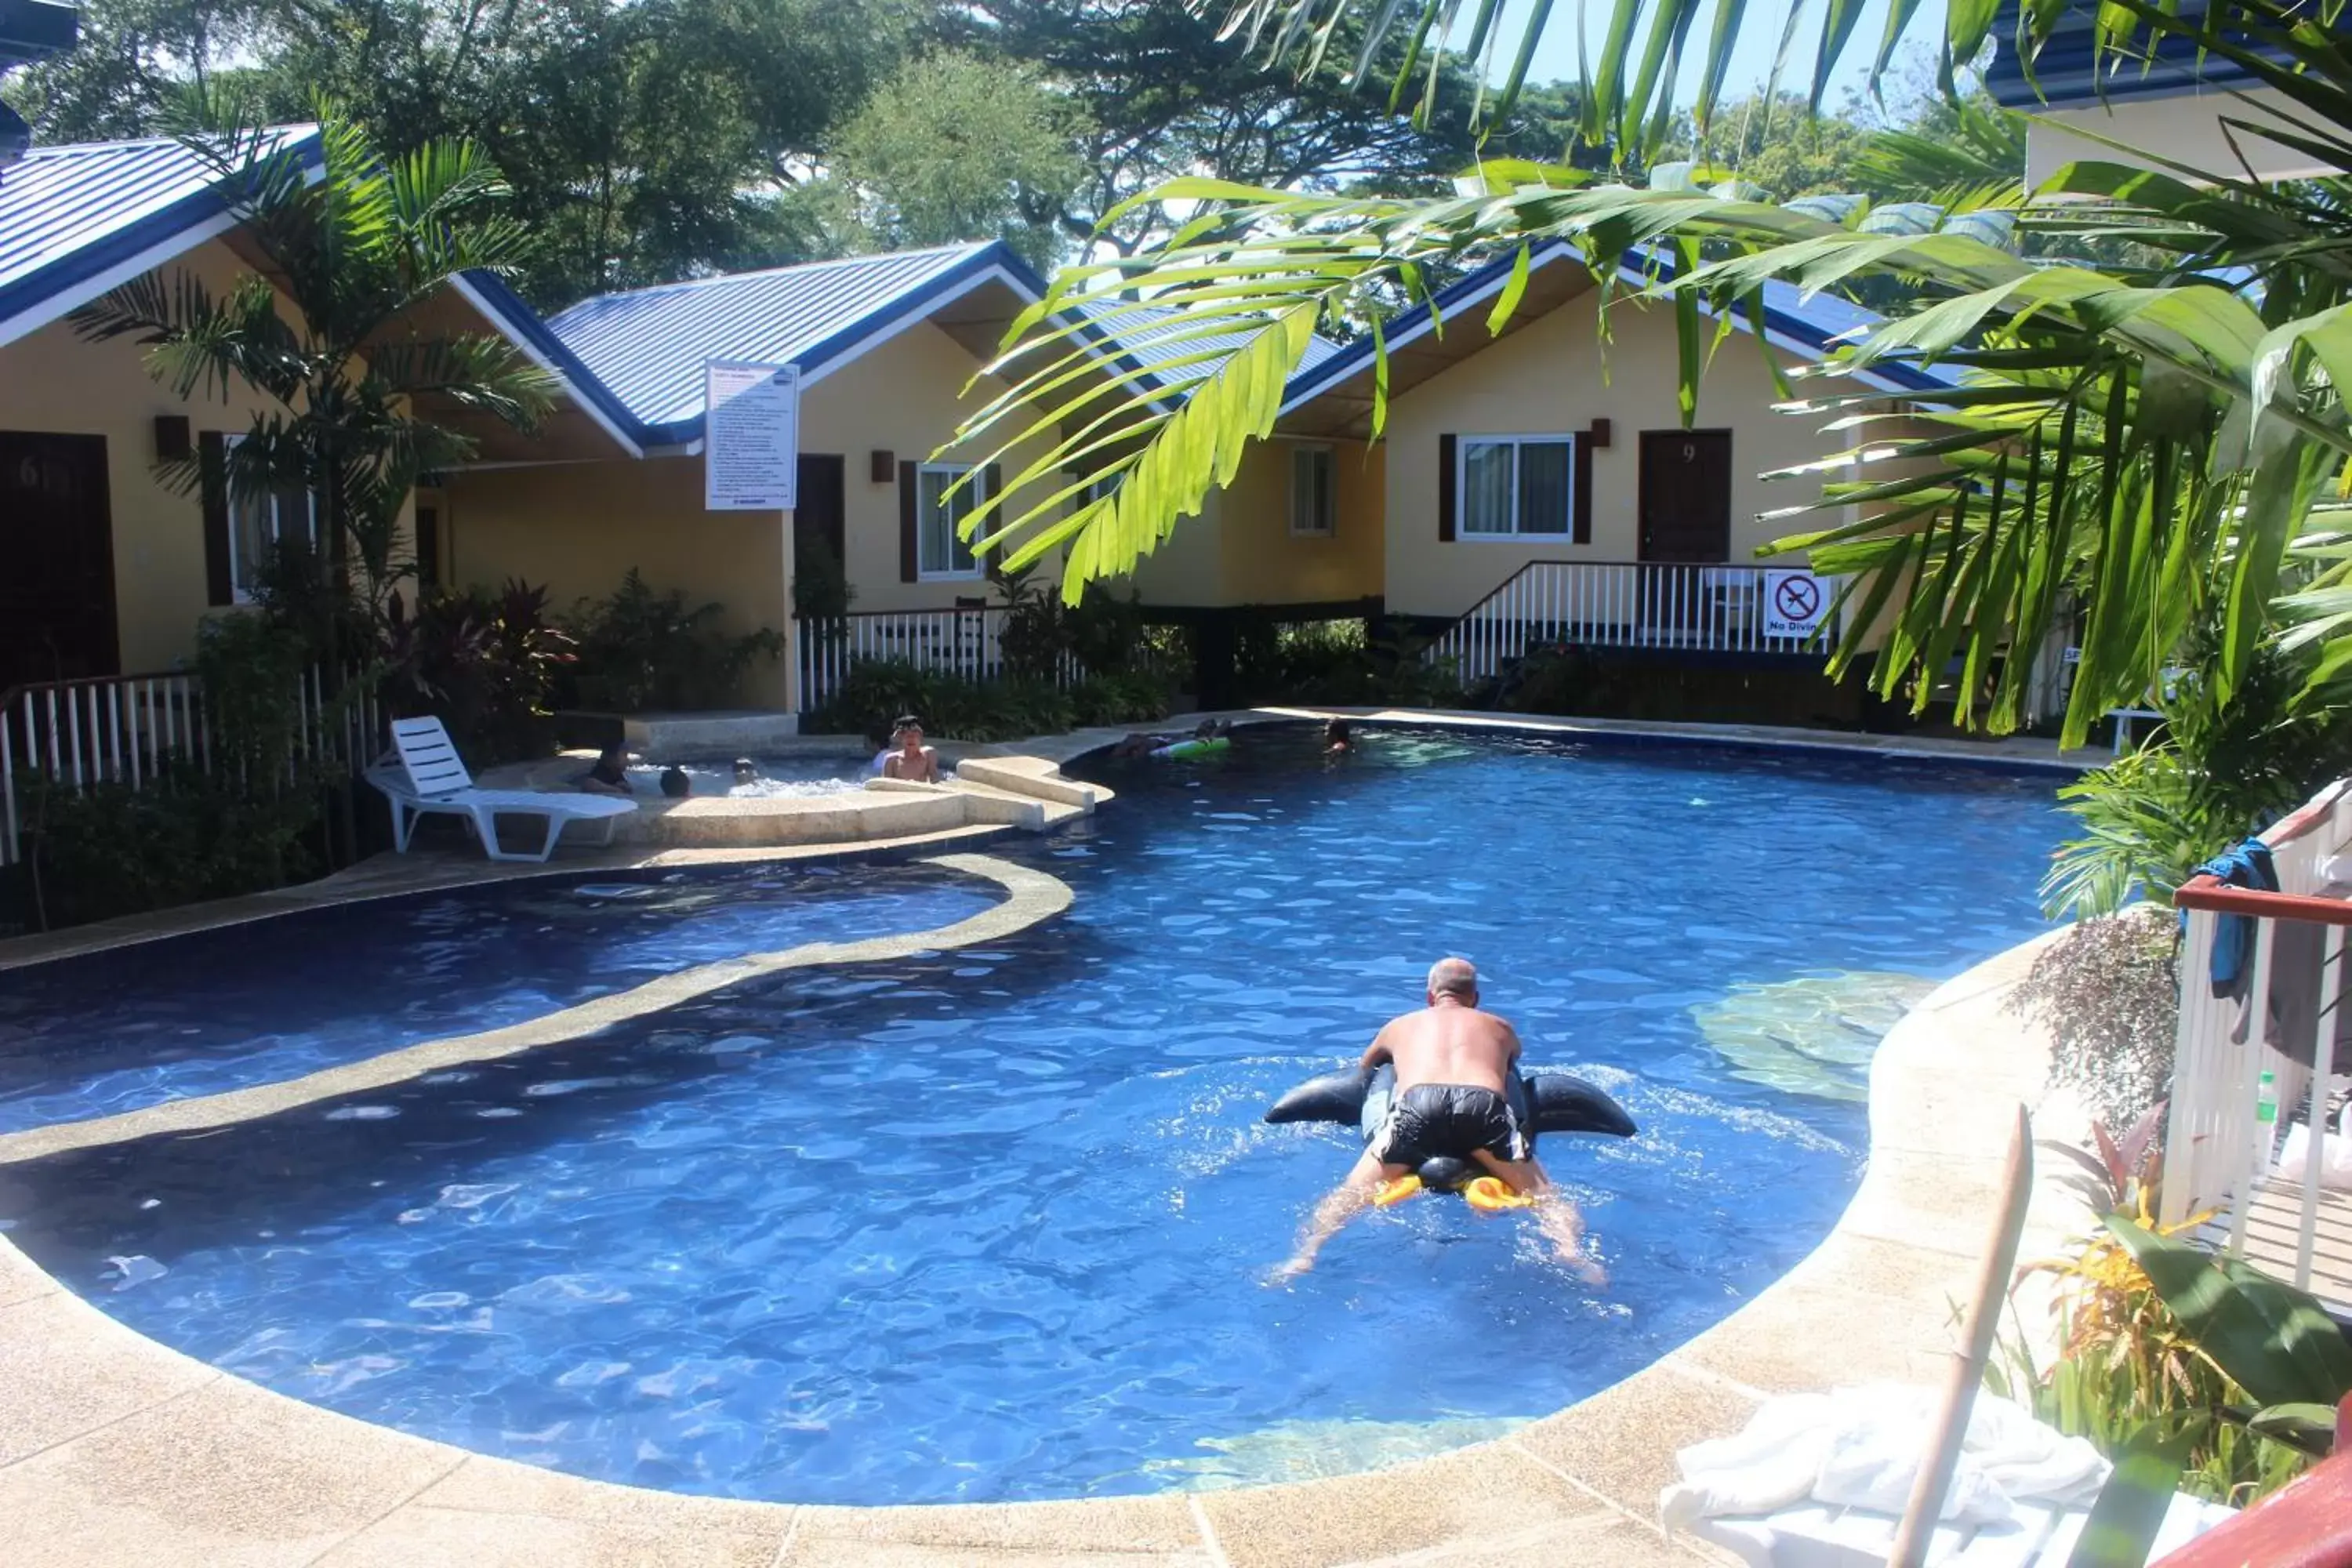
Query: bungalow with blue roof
(104,568)
(885,346)
(1551,443)
(1544,449)
(889,348)
(2164,103)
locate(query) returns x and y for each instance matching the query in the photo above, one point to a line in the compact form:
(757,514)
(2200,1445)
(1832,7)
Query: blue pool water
(274,999)
(991,1224)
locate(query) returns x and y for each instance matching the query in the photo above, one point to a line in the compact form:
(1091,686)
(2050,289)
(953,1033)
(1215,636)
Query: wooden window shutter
(994,478)
(212,457)
(1580,502)
(910,494)
(1446,489)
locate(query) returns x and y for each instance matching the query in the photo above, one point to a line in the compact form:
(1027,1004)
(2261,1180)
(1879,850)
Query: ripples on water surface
(989,1223)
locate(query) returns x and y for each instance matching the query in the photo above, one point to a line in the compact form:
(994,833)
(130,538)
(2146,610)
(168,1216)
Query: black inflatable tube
(1545,1102)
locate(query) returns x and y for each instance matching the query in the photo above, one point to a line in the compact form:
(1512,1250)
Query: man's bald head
(1454,977)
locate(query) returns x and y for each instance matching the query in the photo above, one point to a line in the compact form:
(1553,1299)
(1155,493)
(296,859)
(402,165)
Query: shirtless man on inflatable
(1450,1061)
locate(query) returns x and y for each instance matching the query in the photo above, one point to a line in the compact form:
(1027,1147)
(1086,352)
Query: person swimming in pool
(912,761)
(1338,737)
(1451,1060)
(609,775)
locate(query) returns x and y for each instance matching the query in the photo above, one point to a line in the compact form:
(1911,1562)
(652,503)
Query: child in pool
(610,773)
(912,761)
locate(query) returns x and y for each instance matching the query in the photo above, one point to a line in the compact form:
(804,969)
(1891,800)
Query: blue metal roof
(1817,325)
(2069,74)
(71,215)
(648,346)
(1144,333)
(512,315)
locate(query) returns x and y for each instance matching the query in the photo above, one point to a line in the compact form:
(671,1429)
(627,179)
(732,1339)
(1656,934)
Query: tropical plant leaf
(2273,1341)
(2131,1506)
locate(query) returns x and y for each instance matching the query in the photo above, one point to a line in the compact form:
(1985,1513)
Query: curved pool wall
(1817,1232)
(121,1030)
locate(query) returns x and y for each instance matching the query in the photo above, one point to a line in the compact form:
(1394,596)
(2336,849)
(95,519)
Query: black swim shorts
(1434,1119)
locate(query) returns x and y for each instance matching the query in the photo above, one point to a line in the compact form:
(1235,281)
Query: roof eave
(996,261)
(71,280)
(1781,330)
(522,326)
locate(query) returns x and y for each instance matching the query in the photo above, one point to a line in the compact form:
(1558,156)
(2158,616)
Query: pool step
(1032,777)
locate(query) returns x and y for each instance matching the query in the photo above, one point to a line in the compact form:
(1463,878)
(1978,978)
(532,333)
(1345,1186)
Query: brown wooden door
(57,559)
(1685,495)
(819,562)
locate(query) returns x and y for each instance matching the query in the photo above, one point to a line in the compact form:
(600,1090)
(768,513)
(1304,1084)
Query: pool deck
(115,1449)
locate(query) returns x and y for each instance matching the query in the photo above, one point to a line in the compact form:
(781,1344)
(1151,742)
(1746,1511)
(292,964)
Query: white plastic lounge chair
(423,773)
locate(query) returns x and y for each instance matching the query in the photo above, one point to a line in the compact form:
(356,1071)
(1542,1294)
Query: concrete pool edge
(114,1448)
(1030,897)
(2010,753)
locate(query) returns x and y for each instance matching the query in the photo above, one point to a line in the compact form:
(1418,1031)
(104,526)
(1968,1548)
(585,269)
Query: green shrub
(640,650)
(109,850)
(2220,767)
(821,587)
(1132,697)
(1104,633)
(484,664)
(877,690)
(2108,991)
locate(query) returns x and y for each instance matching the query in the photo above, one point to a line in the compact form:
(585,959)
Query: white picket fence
(132,728)
(967,643)
(2218,1153)
(1612,604)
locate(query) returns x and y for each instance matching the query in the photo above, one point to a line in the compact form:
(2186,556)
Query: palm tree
(352,249)
(2150,447)
(328,339)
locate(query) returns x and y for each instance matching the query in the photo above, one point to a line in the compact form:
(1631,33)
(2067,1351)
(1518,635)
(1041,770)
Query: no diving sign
(1794,604)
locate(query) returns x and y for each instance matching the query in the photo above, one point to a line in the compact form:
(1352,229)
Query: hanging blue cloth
(2246,866)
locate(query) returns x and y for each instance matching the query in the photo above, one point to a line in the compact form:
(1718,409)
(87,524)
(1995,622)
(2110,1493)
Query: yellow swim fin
(1492,1194)
(1396,1192)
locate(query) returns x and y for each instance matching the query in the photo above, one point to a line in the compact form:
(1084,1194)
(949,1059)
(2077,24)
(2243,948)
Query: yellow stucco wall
(52,381)
(579,529)
(1241,550)
(1188,569)
(1550,378)
(1263,564)
(904,397)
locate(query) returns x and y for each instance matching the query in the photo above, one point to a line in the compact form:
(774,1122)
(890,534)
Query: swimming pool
(991,1224)
(774,778)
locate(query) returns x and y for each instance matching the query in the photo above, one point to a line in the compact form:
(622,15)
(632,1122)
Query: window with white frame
(940,551)
(1311,504)
(257,520)
(1517,487)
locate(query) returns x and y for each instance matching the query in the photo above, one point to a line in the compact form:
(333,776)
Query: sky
(1751,59)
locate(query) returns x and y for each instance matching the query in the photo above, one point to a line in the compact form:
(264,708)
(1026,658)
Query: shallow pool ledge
(116,1449)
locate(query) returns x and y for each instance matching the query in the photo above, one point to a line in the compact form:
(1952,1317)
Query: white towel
(1862,1448)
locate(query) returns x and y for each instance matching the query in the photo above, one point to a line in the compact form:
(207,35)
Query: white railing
(967,643)
(2217,1149)
(1609,604)
(135,729)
